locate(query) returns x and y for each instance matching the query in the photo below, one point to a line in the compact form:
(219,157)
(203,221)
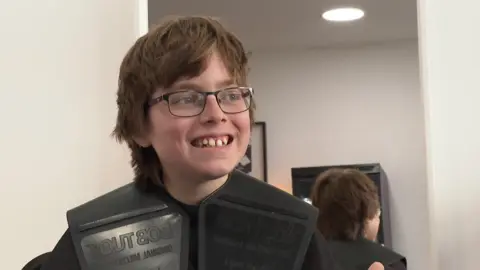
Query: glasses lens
(234,100)
(186,103)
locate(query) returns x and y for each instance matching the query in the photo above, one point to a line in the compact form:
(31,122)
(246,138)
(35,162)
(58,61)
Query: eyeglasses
(190,103)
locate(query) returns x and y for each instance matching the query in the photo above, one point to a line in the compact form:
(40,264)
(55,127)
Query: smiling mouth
(212,142)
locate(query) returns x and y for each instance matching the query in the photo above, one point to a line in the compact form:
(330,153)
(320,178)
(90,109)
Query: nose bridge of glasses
(211,100)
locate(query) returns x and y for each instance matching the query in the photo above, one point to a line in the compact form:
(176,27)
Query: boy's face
(177,140)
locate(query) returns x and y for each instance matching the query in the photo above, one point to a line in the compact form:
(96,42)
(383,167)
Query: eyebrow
(194,86)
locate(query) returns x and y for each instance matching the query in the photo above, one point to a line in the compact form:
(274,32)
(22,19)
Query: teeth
(211,142)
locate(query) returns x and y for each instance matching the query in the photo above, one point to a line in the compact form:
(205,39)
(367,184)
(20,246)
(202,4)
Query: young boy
(185,110)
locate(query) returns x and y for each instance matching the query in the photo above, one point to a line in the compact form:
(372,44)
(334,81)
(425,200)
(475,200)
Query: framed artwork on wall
(254,162)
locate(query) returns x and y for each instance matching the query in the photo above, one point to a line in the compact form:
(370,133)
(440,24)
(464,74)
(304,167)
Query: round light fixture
(343,14)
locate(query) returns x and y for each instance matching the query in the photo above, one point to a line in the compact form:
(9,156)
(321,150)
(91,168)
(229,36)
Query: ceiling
(288,24)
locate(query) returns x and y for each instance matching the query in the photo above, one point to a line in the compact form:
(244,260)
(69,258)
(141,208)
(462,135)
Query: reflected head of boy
(348,205)
(184,108)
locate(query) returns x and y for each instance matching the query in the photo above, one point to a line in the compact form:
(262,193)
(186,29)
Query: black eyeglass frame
(165,97)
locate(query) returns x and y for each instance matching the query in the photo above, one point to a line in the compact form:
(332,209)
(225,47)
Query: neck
(191,191)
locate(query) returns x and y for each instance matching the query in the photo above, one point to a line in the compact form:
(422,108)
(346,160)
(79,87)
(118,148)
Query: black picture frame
(254,162)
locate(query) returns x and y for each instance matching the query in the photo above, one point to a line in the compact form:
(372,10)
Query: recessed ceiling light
(343,14)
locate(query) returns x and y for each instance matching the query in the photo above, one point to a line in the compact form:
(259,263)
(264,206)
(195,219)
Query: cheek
(374,225)
(371,226)
(242,122)
(167,134)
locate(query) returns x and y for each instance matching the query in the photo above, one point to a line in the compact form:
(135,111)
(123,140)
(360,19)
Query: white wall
(350,106)
(58,69)
(451,90)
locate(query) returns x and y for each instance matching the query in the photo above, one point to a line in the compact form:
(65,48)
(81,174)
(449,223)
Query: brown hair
(177,48)
(346,198)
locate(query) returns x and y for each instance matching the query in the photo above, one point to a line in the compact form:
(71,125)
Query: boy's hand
(376,266)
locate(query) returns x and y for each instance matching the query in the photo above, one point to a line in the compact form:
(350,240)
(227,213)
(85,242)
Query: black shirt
(192,211)
(361,253)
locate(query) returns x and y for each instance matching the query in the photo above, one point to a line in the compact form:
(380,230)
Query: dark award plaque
(150,244)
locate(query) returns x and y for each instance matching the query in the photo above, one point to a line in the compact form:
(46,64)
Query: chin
(215,171)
